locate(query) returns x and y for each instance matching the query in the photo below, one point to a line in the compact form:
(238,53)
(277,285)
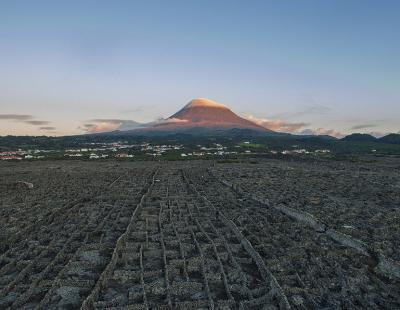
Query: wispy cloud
(375,133)
(48,128)
(277,125)
(312,109)
(37,123)
(363,126)
(140,109)
(16,117)
(108,120)
(24,118)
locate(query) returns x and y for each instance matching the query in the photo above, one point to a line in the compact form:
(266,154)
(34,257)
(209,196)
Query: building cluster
(15,155)
(304,151)
(122,149)
(158,150)
(20,154)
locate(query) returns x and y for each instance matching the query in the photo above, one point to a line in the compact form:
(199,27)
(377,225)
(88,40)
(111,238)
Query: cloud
(99,127)
(363,126)
(293,127)
(277,125)
(23,118)
(140,108)
(103,125)
(313,109)
(377,134)
(16,117)
(322,131)
(106,124)
(47,128)
(37,123)
(169,120)
(108,120)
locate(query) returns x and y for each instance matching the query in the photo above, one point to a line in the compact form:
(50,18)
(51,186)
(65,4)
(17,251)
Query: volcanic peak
(204,102)
(202,112)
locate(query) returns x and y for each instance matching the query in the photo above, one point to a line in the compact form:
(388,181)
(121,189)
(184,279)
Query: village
(143,151)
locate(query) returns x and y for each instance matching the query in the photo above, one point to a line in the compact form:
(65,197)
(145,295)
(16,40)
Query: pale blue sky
(323,64)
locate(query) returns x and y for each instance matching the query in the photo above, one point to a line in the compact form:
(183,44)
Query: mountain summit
(204,102)
(206,113)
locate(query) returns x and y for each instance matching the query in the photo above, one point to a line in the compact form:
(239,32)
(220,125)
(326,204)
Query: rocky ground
(359,199)
(199,235)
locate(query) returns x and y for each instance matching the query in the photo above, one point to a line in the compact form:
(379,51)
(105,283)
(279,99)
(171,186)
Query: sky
(306,67)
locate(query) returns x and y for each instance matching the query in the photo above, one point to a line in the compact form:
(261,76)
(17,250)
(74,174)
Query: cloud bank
(277,125)
(98,125)
(322,132)
(104,124)
(169,120)
(292,127)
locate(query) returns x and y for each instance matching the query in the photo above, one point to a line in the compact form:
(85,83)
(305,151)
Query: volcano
(205,113)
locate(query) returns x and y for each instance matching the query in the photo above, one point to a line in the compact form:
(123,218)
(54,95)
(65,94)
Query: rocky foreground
(200,235)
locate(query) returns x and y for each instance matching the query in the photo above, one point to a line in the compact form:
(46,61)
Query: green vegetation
(252,145)
(234,146)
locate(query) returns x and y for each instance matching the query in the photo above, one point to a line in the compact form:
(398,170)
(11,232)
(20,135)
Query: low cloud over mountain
(293,127)
(105,125)
(277,125)
(322,132)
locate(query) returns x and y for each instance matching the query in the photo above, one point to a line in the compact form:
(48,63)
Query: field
(259,234)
